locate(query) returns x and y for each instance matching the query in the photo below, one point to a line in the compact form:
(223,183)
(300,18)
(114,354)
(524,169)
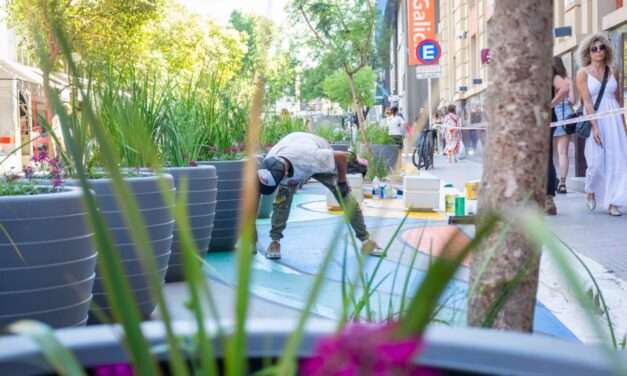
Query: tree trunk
(515,163)
(358,108)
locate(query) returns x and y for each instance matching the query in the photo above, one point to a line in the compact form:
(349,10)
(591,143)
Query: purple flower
(193,164)
(40,156)
(114,370)
(28,172)
(54,163)
(57,181)
(366,349)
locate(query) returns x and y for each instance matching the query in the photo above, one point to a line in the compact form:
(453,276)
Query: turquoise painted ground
(308,237)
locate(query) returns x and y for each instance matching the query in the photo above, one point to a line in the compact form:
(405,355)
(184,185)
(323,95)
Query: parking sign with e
(428,52)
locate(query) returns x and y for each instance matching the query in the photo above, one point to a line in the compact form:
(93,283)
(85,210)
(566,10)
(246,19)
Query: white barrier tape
(595,116)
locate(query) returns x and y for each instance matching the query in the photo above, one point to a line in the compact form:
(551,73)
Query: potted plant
(382,146)
(225,121)
(129,109)
(337,137)
(47,258)
(181,138)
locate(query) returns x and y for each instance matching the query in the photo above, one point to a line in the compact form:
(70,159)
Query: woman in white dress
(606,148)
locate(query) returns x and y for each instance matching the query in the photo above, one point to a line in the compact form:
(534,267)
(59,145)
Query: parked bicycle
(425,149)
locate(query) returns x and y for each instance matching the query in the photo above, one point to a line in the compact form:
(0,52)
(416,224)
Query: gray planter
(264,210)
(340,147)
(387,153)
(48,260)
(159,224)
(201,194)
(459,351)
(225,230)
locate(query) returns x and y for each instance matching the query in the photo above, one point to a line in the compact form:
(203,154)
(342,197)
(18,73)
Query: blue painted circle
(428,52)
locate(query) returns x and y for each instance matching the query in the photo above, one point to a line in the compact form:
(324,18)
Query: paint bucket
(472,189)
(460,206)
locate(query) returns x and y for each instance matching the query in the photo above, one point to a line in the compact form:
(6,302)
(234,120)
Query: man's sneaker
(274,250)
(372,248)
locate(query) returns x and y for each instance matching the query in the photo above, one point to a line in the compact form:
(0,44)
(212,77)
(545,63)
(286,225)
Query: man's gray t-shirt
(308,154)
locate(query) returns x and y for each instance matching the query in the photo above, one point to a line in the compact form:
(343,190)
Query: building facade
(405,91)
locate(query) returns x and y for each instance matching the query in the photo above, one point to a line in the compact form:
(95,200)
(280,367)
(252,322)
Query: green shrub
(275,127)
(332,134)
(378,135)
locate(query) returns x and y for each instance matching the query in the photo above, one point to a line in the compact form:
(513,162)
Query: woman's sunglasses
(595,49)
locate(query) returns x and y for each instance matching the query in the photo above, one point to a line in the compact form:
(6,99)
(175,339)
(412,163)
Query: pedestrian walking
(606,147)
(295,159)
(395,127)
(562,105)
(453,134)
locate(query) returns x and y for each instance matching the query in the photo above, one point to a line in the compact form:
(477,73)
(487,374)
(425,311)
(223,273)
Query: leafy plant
(378,135)
(332,134)
(376,167)
(275,127)
(131,109)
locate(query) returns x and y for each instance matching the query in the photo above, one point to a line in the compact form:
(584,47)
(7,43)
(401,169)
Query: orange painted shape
(6,140)
(435,238)
(420,25)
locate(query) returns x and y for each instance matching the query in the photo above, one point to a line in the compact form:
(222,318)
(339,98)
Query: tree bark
(359,110)
(515,163)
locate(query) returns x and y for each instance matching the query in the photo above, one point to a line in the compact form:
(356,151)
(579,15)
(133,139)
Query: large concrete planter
(159,223)
(264,209)
(340,146)
(225,225)
(447,350)
(387,153)
(47,262)
(202,191)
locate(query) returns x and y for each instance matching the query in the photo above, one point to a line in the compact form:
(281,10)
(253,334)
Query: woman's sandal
(561,187)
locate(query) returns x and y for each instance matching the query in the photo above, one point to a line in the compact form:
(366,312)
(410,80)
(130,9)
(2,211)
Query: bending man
(289,164)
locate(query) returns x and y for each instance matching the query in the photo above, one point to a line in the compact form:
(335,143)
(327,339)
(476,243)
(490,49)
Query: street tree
(337,87)
(343,32)
(101,31)
(515,163)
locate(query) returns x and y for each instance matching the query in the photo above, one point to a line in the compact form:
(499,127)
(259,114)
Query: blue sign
(428,52)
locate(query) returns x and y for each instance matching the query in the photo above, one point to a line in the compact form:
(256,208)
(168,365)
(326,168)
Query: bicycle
(425,149)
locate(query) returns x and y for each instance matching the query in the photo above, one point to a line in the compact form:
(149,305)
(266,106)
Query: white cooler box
(421,192)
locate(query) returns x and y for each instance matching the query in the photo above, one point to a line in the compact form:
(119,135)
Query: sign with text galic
(421,26)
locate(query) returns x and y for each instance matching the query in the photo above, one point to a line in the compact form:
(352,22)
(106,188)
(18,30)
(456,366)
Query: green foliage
(338,89)
(342,31)
(376,167)
(312,80)
(275,127)
(101,31)
(9,186)
(145,35)
(332,134)
(378,135)
(182,44)
(281,76)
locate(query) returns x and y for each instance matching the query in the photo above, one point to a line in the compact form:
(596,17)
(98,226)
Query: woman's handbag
(584,128)
(569,128)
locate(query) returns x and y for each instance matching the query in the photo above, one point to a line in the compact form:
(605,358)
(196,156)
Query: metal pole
(429,100)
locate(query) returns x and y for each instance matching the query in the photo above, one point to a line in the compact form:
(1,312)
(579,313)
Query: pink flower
(114,370)
(366,350)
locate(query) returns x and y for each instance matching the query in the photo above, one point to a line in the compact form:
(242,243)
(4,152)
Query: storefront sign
(421,25)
